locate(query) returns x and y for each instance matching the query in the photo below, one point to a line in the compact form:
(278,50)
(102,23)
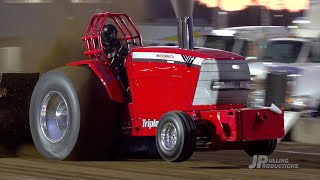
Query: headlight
(257,94)
(230,85)
(244,84)
(256,98)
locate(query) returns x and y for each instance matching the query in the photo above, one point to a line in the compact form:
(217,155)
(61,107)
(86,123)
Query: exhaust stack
(183,10)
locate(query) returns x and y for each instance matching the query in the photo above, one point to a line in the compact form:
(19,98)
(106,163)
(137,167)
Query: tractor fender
(104,73)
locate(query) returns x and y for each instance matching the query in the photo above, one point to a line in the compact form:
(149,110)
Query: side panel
(106,76)
(146,124)
(162,87)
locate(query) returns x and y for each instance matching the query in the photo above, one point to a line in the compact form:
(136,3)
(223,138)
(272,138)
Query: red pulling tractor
(178,100)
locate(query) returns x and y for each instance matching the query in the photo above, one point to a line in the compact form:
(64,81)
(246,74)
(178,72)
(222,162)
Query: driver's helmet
(109,34)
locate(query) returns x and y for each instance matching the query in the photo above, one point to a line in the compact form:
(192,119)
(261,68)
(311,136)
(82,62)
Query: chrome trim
(54,117)
(168,136)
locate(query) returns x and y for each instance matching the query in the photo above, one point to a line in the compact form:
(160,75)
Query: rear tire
(90,128)
(261,147)
(176,136)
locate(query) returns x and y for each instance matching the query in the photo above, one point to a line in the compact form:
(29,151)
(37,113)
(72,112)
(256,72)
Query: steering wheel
(121,54)
(124,45)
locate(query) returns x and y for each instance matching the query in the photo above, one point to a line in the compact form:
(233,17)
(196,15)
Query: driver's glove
(124,52)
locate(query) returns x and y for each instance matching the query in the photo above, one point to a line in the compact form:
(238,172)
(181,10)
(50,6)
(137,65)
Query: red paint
(260,124)
(107,77)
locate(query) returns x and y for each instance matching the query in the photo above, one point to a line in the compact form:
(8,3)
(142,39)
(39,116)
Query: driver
(111,44)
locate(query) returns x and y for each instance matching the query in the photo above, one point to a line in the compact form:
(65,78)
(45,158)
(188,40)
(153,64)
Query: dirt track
(203,165)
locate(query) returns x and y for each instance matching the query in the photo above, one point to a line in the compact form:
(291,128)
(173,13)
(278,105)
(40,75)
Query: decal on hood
(168,58)
(188,59)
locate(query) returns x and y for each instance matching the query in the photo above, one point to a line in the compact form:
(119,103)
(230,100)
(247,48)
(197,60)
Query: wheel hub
(54,117)
(169,136)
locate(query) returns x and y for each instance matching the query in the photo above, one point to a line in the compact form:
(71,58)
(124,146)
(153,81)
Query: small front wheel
(176,136)
(260,147)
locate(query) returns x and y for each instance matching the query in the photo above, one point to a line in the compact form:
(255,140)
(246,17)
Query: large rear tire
(71,116)
(261,147)
(176,136)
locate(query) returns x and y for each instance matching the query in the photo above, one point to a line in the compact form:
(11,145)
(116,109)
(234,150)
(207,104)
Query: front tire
(176,136)
(260,147)
(71,116)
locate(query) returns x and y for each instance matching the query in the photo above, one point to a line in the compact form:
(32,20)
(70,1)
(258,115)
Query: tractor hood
(174,53)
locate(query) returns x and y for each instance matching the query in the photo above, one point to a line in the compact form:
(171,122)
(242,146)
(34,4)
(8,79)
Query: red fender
(106,76)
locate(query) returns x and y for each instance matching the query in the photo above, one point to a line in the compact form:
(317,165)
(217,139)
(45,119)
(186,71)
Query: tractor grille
(222,82)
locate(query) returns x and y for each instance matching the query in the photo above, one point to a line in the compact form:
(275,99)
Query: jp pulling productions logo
(262,161)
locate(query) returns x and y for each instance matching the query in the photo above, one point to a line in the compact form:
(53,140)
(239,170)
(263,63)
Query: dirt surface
(203,165)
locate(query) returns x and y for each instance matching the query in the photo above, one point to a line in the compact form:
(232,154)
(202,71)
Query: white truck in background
(299,57)
(248,41)
(291,68)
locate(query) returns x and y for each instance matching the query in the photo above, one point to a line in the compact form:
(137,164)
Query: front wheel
(176,136)
(260,147)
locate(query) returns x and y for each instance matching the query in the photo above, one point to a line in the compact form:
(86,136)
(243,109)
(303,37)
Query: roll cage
(129,33)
